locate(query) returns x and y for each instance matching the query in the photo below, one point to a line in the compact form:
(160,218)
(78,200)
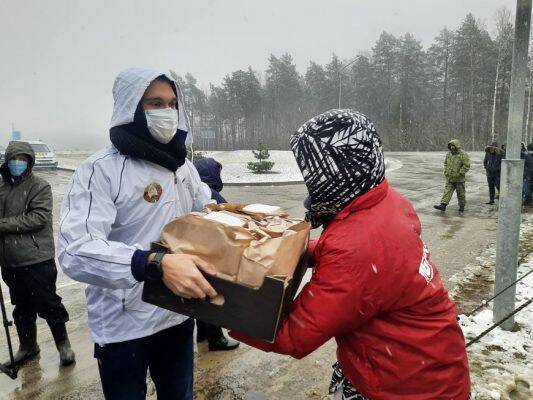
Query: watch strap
(157,260)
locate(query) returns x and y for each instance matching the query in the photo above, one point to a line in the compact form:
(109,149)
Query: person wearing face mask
(27,254)
(117,203)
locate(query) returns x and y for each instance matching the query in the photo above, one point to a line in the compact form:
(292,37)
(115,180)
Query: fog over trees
(419,98)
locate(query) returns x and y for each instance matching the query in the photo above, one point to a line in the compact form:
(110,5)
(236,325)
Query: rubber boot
(28,348)
(441,207)
(66,354)
(461,209)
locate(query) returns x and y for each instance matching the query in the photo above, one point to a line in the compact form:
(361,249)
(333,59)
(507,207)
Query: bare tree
(504,31)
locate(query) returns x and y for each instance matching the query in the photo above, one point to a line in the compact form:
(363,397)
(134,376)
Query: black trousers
(494,183)
(33,292)
(208,331)
(168,355)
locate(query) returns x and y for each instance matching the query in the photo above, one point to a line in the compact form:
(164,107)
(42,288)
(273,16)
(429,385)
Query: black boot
(461,209)
(441,207)
(66,354)
(490,202)
(28,347)
(223,344)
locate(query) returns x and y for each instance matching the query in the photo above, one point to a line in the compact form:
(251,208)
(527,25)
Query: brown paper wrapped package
(233,251)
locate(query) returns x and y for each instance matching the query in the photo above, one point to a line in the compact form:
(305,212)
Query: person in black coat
(493,165)
(209,170)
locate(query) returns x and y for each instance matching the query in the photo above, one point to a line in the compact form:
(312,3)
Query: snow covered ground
(234,167)
(501,363)
(234,171)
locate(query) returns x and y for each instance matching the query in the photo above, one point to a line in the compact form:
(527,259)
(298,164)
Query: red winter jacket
(375,290)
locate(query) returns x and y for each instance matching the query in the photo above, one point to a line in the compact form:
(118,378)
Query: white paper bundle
(225,219)
(262,209)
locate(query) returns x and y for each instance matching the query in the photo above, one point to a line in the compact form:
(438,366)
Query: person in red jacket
(374,288)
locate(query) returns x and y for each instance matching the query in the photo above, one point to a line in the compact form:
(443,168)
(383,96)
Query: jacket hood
(209,170)
(14,148)
(456,143)
(129,88)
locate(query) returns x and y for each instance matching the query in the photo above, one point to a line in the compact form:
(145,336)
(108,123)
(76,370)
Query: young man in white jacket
(117,203)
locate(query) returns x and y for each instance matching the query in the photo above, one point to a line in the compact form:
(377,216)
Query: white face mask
(162,124)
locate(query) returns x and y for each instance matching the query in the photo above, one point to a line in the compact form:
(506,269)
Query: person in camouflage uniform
(456,165)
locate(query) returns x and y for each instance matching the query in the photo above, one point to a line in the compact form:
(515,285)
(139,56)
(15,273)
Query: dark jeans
(208,331)
(494,183)
(167,354)
(33,292)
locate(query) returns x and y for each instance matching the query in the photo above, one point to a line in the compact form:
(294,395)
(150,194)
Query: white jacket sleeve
(87,214)
(202,192)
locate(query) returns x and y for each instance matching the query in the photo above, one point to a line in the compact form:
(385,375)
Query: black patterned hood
(340,155)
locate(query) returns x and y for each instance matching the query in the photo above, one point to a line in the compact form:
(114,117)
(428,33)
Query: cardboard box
(254,312)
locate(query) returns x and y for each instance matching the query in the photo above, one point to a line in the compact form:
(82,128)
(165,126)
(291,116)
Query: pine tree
(261,153)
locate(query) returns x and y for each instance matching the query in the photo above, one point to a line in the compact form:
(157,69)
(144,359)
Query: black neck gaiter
(134,140)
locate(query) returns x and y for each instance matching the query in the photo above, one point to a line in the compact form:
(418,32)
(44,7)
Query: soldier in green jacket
(27,253)
(456,165)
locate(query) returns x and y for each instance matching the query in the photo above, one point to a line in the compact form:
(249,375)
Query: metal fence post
(512,173)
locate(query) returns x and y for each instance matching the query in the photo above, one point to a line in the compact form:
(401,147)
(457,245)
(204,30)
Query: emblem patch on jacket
(426,269)
(153,192)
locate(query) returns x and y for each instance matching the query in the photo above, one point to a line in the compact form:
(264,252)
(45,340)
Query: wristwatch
(154,269)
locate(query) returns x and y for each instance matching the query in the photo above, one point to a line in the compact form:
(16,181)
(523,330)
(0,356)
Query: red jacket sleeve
(337,299)
(312,247)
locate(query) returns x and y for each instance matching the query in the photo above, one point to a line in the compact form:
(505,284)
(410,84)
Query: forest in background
(419,98)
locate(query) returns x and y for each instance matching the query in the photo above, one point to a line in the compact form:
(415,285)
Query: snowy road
(454,241)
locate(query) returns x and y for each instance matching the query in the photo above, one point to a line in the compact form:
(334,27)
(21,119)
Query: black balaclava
(135,140)
(340,155)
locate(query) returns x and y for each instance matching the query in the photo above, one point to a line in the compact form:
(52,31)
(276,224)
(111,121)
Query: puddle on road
(453,226)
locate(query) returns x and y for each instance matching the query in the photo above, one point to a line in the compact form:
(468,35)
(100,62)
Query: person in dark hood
(493,165)
(117,204)
(210,173)
(374,288)
(27,254)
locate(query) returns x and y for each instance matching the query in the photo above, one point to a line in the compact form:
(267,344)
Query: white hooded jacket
(115,205)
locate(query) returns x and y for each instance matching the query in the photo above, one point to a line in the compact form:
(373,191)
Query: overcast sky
(59,57)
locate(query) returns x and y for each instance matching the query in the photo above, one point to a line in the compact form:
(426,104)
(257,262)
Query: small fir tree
(261,153)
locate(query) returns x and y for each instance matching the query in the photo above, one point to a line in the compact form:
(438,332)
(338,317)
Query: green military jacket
(457,164)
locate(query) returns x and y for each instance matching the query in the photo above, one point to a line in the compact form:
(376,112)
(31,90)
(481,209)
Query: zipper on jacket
(176,194)
(123,300)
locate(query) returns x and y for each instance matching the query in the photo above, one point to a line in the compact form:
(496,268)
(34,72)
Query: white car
(44,156)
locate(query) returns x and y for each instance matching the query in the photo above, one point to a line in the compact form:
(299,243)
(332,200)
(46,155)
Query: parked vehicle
(44,156)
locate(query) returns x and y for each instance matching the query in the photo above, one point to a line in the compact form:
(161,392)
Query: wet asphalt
(454,239)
